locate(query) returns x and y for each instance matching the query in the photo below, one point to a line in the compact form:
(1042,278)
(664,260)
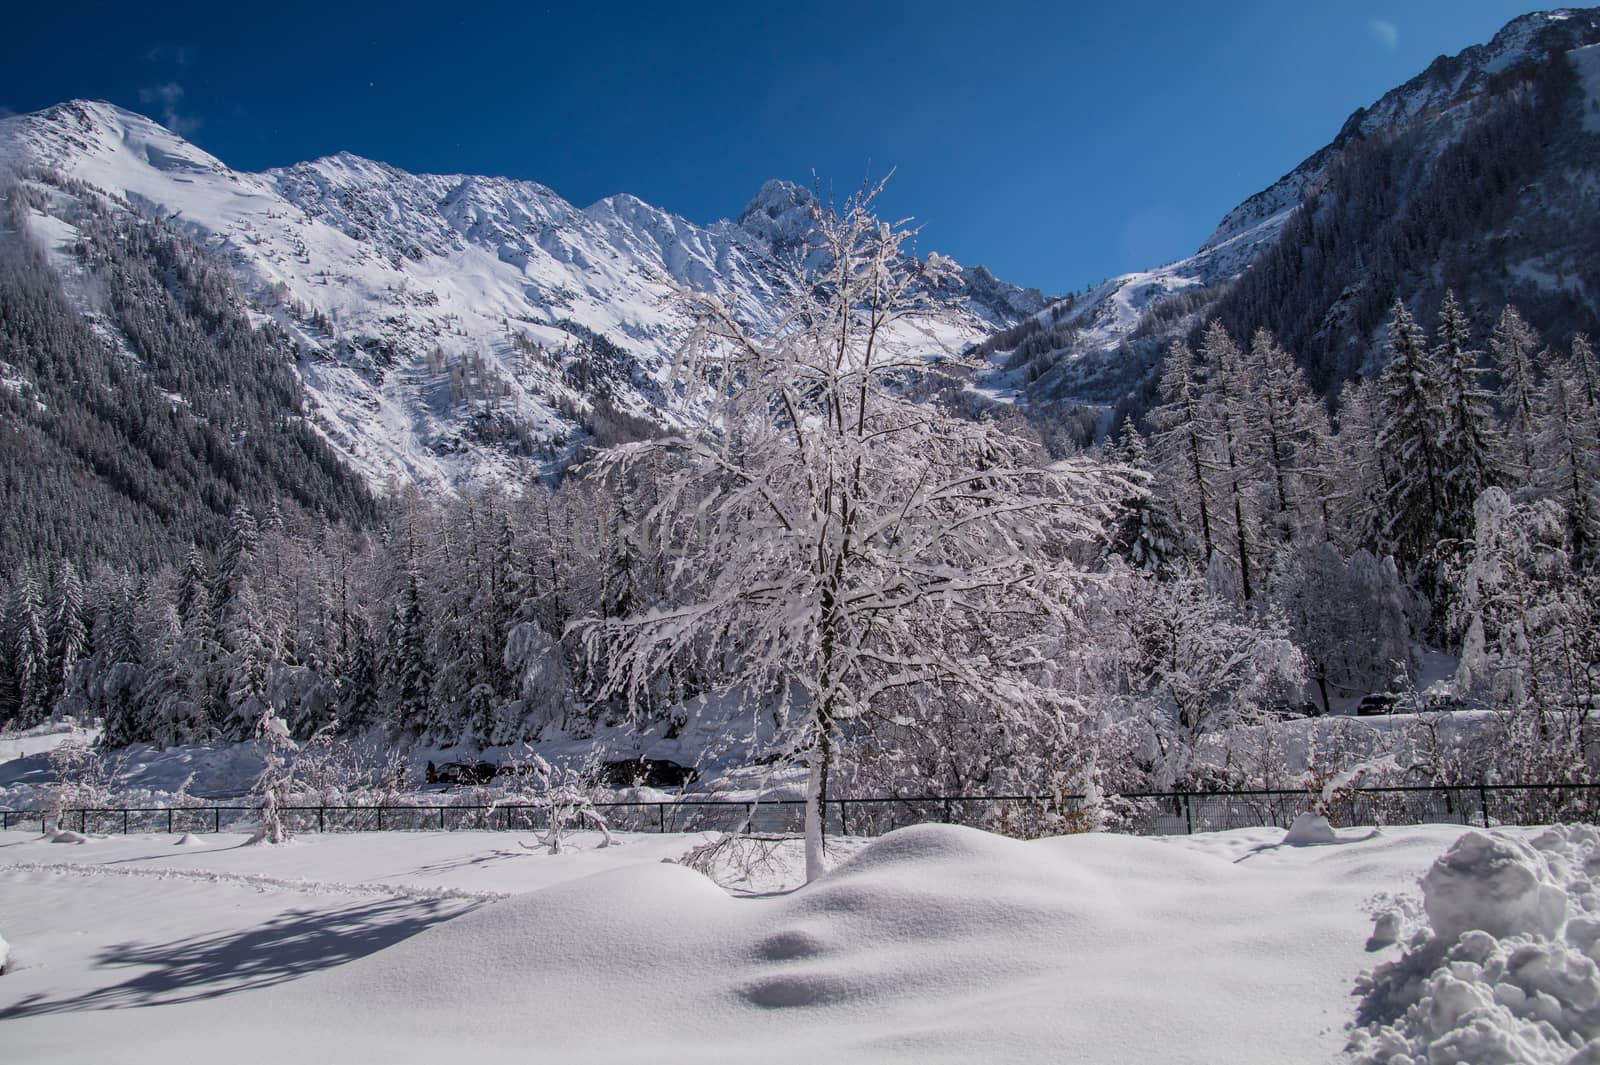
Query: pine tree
(1513,344)
(193,597)
(30,652)
(1415,503)
(409,674)
(68,635)
(1469,441)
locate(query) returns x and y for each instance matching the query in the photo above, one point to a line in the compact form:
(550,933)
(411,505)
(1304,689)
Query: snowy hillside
(1098,347)
(456,329)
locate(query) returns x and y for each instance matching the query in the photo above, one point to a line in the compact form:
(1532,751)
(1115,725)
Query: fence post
(661,817)
(83,821)
(844,825)
(1188,815)
(380,819)
(441,819)
(947,811)
(169,820)
(1483,800)
(322,821)
(124,820)
(216,825)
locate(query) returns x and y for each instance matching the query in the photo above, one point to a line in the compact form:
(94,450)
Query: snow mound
(5,954)
(188,839)
(1504,973)
(66,835)
(1310,828)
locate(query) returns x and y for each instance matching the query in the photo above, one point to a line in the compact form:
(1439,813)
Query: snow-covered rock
(1310,828)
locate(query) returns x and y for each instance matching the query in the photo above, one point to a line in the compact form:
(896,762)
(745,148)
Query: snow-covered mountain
(454,329)
(1430,187)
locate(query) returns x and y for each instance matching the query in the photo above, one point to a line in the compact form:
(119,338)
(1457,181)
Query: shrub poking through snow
(563,792)
(85,776)
(272,787)
(1504,971)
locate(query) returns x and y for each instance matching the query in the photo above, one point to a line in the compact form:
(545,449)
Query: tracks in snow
(259,881)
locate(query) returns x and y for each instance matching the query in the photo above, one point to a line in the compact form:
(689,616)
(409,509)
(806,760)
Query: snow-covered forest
(869,554)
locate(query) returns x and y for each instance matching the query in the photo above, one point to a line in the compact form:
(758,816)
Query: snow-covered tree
(1469,440)
(1292,440)
(1566,450)
(1416,503)
(273,785)
(1531,640)
(68,635)
(837,546)
(1349,618)
(1231,422)
(1199,664)
(29,650)
(1180,448)
(1513,344)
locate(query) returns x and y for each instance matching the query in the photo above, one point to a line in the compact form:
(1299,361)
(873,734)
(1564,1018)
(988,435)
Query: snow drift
(932,944)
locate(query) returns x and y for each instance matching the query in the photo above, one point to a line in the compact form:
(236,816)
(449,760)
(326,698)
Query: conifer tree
(1469,441)
(30,652)
(1179,448)
(1513,344)
(1415,501)
(1229,423)
(68,635)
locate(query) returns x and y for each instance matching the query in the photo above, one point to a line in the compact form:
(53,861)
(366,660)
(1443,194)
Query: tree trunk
(817,799)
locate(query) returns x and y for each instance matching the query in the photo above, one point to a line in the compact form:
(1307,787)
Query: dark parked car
(1378,704)
(649,772)
(458,773)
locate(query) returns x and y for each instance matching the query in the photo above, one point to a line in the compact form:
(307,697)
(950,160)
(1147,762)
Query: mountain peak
(782,215)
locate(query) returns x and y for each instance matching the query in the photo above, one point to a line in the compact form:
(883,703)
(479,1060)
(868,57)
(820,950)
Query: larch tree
(839,548)
(1230,419)
(1566,450)
(1470,441)
(1179,448)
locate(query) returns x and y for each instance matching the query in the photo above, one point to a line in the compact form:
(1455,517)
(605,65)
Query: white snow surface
(1503,971)
(42,739)
(933,944)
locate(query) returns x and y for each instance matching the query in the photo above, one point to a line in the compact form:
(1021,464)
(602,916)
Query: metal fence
(1155,813)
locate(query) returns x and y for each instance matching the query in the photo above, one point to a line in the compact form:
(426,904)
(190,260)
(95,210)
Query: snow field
(932,944)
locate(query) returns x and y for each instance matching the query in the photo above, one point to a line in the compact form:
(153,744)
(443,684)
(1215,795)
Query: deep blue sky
(1059,143)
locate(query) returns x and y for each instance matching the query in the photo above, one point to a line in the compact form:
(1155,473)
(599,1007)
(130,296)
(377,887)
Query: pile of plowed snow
(1503,971)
